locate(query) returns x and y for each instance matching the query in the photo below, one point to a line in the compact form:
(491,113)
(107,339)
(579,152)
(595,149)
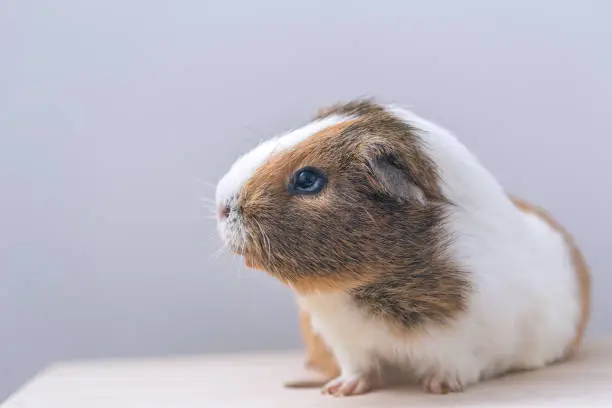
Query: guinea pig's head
(335,203)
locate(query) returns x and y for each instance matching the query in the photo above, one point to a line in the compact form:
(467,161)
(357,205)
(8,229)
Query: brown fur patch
(583,275)
(270,182)
(377,229)
(358,107)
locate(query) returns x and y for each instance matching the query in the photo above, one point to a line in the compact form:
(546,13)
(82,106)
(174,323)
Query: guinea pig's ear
(401,173)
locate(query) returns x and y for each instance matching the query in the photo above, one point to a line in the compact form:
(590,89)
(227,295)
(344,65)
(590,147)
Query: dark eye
(307,181)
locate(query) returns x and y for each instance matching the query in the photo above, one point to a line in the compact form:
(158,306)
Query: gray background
(116,115)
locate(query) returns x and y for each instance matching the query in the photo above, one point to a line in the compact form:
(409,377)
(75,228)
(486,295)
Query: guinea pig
(404,251)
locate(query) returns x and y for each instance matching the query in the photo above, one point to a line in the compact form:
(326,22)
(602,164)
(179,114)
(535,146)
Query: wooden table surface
(254,381)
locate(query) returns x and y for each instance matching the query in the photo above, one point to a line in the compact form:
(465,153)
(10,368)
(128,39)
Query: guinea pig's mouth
(237,239)
(250,260)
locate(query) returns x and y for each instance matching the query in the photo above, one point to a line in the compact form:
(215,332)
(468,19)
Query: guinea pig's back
(530,300)
(580,275)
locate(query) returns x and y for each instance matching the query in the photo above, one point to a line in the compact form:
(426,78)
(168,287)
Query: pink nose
(224,211)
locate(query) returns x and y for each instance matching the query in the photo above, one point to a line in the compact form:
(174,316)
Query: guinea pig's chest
(342,323)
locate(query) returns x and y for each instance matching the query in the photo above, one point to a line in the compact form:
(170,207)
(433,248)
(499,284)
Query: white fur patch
(242,170)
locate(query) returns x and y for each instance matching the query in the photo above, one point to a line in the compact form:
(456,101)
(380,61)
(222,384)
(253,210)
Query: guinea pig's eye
(307,180)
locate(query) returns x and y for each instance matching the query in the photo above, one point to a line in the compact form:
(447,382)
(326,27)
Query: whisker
(265,239)
(207,213)
(215,255)
(206,183)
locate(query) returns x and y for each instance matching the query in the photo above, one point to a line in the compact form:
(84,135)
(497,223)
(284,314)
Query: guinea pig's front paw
(442,384)
(346,385)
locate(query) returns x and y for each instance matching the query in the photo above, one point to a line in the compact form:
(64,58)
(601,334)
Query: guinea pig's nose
(224,211)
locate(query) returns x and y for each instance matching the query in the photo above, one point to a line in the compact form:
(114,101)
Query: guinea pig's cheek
(319,203)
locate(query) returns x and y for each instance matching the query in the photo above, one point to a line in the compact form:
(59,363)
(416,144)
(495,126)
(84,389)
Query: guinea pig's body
(403,250)
(321,359)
